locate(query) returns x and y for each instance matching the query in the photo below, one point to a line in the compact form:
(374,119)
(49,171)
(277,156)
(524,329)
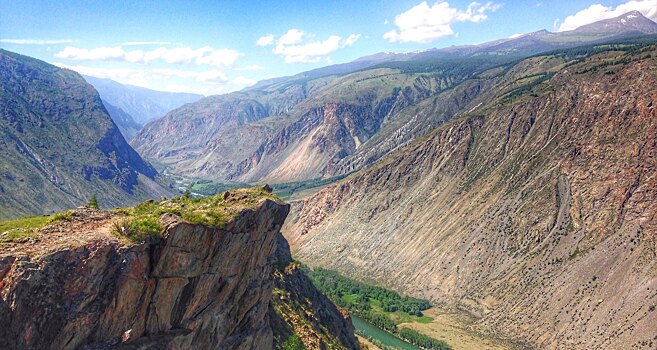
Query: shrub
(137,229)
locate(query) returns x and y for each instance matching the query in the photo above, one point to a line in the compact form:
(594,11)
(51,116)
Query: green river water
(380,335)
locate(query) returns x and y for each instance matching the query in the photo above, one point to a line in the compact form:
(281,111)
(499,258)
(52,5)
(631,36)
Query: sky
(215,47)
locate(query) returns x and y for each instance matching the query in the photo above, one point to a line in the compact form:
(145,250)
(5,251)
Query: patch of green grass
(350,297)
(142,221)
(16,229)
(425,319)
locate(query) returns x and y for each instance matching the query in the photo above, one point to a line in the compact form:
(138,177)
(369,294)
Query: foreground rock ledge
(198,287)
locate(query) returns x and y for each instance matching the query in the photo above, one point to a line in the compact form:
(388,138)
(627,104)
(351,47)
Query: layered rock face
(196,287)
(535,211)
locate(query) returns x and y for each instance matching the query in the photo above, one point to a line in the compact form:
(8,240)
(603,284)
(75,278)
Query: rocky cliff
(83,282)
(534,211)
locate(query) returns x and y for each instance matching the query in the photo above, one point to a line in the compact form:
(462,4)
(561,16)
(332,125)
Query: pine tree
(93,202)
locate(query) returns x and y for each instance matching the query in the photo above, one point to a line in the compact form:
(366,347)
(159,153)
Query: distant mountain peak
(633,21)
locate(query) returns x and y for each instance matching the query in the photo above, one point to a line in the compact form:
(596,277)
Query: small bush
(137,229)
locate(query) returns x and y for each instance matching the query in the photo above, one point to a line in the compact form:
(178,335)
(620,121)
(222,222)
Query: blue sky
(214,47)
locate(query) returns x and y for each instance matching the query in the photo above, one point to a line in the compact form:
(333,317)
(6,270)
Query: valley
(499,193)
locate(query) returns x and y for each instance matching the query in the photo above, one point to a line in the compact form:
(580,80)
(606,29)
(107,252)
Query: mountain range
(338,119)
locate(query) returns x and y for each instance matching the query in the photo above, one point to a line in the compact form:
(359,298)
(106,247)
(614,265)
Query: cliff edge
(96,280)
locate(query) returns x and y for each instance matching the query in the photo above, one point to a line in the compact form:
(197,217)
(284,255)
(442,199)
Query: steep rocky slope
(297,307)
(58,145)
(76,283)
(338,119)
(535,211)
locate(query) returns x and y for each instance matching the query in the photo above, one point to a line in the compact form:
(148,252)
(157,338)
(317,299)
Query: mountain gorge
(495,196)
(142,104)
(528,210)
(59,145)
(331,122)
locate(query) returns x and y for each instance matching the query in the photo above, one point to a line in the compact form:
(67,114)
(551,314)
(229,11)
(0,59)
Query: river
(380,335)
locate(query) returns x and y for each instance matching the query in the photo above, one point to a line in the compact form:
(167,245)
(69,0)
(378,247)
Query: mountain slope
(535,212)
(58,144)
(142,104)
(337,120)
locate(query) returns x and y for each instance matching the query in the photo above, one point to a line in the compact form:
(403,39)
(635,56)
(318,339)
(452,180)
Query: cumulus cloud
(424,23)
(265,40)
(598,12)
(35,41)
(97,54)
(293,49)
(202,56)
(293,36)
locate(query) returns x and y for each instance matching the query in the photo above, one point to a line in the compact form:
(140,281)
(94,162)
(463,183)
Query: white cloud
(598,12)
(265,40)
(219,58)
(243,81)
(292,48)
(35,41)
(208,82)
(424,23)
(137,43)
(97,54)
(293,36)
(350,40)
(124,75)
(202,56)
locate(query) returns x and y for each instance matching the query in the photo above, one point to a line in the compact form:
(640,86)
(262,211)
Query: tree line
(360,295)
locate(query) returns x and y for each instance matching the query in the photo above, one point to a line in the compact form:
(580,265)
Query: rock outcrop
(75,285)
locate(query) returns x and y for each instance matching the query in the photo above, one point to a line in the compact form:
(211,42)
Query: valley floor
(454,328)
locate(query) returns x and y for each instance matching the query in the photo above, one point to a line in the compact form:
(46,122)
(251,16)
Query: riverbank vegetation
(380,307)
